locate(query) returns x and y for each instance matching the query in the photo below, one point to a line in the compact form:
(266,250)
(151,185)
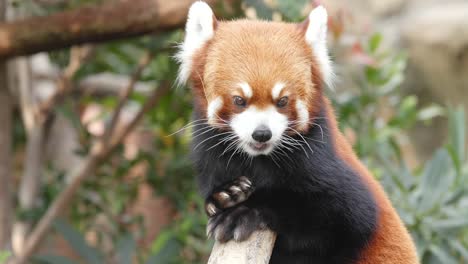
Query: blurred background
(93,148)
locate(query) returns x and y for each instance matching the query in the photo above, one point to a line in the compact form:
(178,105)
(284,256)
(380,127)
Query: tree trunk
(5,150)
(111,20)
(30,182)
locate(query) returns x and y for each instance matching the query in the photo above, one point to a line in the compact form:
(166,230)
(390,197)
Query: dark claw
(228,196)
(237,223)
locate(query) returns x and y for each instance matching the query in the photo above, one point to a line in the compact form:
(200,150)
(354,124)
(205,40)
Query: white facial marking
(302,114)
(246,89)
(213,108)
(276,91)
(316,37)
(246,122)
(198,30)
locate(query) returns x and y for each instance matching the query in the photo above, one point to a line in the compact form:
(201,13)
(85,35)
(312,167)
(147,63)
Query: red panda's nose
(262,134)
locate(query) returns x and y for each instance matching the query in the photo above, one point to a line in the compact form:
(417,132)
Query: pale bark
(6,210)
(30,184)
(256,250)
(109,21)
(30,181)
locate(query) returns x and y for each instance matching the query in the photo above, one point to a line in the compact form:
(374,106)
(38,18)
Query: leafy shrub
(431,198)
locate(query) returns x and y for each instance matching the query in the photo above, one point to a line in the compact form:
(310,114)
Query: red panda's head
(261,80)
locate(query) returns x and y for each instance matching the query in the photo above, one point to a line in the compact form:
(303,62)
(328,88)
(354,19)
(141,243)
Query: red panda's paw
(237,223)
(228,196)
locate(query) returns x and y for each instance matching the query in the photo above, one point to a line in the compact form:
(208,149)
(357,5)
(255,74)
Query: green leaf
(292,10)
(78,243)
(430,112)
(463,250)
(53,259)
(457,132)
(263,10)
(442,255)
(450,224)
(455,196)
(4,255)
(374,42)
(167,253)
(126,249)
(437,177)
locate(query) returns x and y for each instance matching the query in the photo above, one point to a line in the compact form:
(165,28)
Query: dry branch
(256,250)
(109,21)
(125,94)
(78,56)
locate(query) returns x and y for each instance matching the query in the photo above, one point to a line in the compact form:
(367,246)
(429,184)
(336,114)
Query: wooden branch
(78,56)
(110,84)
(256,250)
(125,94)
(109,21)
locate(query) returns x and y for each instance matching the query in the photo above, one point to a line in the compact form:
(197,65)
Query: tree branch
(125,94)
(78,56)
(256,250)
(94,24)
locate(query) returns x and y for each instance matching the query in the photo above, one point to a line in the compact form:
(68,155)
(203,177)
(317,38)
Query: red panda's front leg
(229,195)
(230,218)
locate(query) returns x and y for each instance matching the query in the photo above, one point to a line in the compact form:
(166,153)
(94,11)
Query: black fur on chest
(321,209)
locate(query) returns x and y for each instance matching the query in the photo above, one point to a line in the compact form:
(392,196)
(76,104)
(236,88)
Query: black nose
(262,134)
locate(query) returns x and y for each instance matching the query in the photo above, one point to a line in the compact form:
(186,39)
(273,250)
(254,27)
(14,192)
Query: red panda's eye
(282,102)
(239,101)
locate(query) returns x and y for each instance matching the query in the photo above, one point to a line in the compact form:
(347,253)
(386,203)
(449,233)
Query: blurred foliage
(431,197)
(4,256)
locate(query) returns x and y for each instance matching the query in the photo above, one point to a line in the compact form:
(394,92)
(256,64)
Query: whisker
(203,131)
(321,130)
(230,146)
(272,155)
(299,134)
(233,153)
(223,141)
(217,135)
(189,125)
(284,154)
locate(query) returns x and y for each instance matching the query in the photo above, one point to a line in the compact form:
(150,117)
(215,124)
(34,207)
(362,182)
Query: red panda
(268,150)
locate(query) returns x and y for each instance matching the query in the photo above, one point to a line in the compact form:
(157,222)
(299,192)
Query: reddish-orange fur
(391,243)
(222,71)
(217,71)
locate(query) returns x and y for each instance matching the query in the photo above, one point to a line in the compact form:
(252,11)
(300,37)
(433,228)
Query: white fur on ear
(316,37)
(198,30)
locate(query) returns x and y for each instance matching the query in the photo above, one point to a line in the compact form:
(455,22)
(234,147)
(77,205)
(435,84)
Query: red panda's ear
(200,27)
(315,30)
